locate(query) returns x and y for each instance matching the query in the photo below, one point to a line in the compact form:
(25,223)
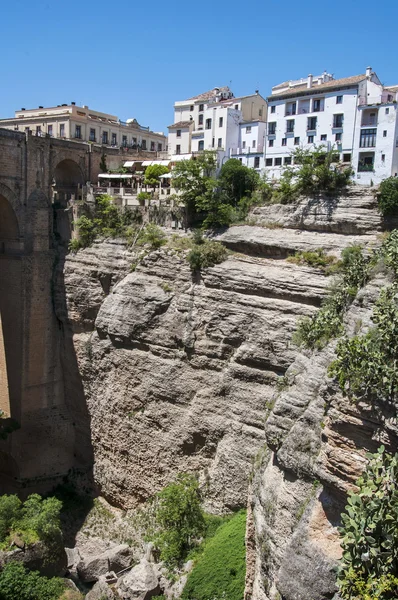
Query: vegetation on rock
(369,566)
(30,521)
(387,197)
(313,258)
(205,253)
(221,568)
(327,322)
(17,583)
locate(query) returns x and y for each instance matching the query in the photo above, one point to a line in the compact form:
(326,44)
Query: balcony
(369,122)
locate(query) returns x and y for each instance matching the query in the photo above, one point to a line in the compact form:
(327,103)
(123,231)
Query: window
(134,142)
(339,99)
(178,132)
(253,143)
(316,105)
(311,123)
(256,162)
(290,126)
(236,106)
(114,139)
(284,141)
(389,98)
(338,121)
(338,137)
(212,143)
(208,123)
(152,146)
(310,139)
(347,158)
(296,141)
(287,160)
(268,162)
(62,130)
(290,108)
(219,143)
(260,112)
(104,137)
(200,119)
(27,129)
(201,145)
(220,121)
(273,108)
(160,147)
(191,108)
(368,138)
(201,107)
(324,137)
(383,158)
(50,130)
(278,161)
(38,130)
(243,144)
(248,129)
(270,143)
(92,136)
(143,144)
(178,149)
(78,132)
(384,133)
(272,128)
(387,111)
(124,139)
(240,160)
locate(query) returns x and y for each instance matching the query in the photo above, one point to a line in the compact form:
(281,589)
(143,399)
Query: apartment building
(69,121)
(212,121)
(355,115)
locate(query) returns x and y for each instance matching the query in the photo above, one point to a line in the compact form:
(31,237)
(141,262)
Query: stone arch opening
(67,185)
(11,310)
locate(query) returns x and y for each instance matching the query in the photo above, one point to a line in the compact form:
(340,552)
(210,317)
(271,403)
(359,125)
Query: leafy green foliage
(153,236)
(103,166)
(179,519)
(206,253)
(35,519)
(237,180)
(16,583)
(153,173)
(313,258)
(327,323)
(387,197)
(369,566)
(220,570)
(142,196)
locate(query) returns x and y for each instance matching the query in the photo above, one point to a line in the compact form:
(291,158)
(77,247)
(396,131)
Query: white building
(356,116)
(216,120)
(69,121)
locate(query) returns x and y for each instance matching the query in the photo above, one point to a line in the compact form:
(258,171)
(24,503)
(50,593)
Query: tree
(103,166)
(10,507)
(179,519)
(369,566)
(153,173)
(237,180)
(16,583)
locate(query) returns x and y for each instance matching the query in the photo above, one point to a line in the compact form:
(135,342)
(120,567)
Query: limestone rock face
(141,583)
(36,557)
(117,558)
(100,591)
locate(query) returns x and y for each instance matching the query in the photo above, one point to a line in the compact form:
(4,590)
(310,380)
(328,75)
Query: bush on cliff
(17,583)
(387,197)
(221,568)
(369,566)
(35,519)
(205,253)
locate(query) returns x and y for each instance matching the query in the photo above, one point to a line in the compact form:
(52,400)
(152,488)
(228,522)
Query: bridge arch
(67,184)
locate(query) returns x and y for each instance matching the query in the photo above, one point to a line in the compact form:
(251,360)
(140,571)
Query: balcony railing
(365,168)
(370,122)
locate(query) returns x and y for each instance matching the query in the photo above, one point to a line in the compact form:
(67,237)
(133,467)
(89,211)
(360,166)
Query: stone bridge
(36,176)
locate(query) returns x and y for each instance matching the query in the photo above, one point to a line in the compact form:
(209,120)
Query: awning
(114,176)
(165,176)
(148,163)
(130,163)
(178,157)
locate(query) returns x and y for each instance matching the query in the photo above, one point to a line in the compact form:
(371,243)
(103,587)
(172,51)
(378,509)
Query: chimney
(368,72)
(73,103)
(23,109)
(40,107)
(257,92)
(309,81)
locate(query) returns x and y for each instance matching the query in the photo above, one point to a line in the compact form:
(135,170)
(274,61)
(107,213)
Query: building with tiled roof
(356,116)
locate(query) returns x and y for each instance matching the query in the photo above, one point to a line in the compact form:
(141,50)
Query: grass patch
(313,258)
(221,568)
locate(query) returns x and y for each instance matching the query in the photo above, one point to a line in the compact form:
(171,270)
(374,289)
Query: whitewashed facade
(215,120)
(356,116)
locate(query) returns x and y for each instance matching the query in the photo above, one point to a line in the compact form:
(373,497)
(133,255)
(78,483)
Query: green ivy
(368,569)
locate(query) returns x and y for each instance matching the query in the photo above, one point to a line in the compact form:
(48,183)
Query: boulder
(141,583)
(115,559)
(100,591)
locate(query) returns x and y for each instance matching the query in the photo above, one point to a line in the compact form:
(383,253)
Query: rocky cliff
(185,373)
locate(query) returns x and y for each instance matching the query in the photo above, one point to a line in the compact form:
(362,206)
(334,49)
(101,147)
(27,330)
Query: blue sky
(135,58)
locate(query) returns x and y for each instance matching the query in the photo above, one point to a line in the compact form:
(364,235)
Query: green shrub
(179,519)
(220,571)
(16,583)
(387,197)
(206,254)
(327,322)
(369,566)
(153,236)
(35,519)
(314,258)
(74,245)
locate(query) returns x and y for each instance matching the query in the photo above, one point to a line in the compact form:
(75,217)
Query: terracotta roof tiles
(334,83)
